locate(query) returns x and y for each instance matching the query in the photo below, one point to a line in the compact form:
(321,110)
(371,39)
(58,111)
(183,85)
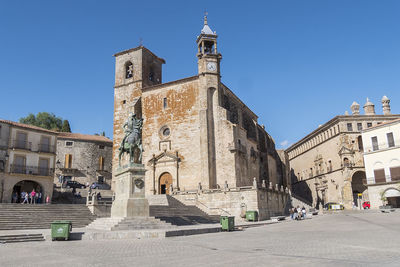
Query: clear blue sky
(296,64)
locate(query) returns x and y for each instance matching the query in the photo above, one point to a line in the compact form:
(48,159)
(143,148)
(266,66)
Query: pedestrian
(15,197)
(36,198)
(26,198)
(303,212)
(291,213)
(22,196)
(39,197)
(298,213)
(295,213)
(47,199)
(33,194)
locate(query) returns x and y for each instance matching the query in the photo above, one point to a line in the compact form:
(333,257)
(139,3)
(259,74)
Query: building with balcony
(382,163)
(27,158)
(83,158)
(327,165)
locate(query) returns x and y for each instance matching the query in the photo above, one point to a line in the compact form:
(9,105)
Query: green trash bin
(252,215)
(227,223)
(61,229)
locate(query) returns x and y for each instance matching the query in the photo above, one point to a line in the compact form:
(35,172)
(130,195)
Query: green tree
(44,120)
(65,127)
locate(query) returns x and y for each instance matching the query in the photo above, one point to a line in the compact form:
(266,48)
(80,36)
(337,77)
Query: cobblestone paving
(366,239)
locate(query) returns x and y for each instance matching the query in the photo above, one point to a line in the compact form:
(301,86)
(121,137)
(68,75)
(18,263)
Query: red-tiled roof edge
(27,126)
(84,137)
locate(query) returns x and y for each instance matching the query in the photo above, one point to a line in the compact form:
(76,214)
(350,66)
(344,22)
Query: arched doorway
(165,183)
(358,187)
(25,186)
(392,196)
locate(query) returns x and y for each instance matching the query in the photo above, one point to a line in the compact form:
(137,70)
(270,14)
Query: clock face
(211,66)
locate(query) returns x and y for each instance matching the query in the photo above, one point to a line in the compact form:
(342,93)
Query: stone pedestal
(130,200)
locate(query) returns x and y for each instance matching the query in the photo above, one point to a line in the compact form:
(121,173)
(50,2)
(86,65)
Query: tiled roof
(84,137)
(27,126)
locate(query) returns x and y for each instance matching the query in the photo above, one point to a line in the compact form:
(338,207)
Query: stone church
(198,136)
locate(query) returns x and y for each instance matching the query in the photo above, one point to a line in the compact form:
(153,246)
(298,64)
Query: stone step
(17,216)
(21,238)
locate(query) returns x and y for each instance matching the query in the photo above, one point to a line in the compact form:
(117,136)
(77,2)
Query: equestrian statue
(133,138)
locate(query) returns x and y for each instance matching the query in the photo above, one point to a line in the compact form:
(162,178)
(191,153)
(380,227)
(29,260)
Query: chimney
(355,108)
(369,108)
(385,105)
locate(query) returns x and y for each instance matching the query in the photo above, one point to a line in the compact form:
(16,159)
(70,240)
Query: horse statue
(133,138)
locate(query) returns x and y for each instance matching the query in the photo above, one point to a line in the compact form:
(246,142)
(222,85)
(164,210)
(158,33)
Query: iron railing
(20,144)
(46,148)
(31,170)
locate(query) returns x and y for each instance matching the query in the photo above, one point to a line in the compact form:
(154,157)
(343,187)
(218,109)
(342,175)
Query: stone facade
(327,165)
(268,202)
(197,132)
(382,163)
(27,158)
(83,158)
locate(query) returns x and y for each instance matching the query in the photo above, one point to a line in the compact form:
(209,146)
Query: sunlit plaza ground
(355,239)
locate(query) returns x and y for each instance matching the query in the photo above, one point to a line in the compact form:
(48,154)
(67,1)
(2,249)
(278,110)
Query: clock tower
(209,85)
(207,52)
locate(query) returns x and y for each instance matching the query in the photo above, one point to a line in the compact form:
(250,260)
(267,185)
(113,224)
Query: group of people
(29,198)
(298,213)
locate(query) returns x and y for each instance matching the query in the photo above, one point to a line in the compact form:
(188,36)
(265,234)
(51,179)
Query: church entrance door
(165,183)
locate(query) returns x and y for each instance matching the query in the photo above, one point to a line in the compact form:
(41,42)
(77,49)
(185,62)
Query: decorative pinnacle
(205,17)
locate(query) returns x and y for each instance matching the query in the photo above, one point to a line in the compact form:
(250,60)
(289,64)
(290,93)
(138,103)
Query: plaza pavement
(359,239)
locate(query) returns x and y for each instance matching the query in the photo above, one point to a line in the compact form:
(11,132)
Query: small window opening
(129,70)
(165,104)
(350,127)
(69,143)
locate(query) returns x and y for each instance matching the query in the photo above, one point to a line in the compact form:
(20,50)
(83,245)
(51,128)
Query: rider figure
(132,125)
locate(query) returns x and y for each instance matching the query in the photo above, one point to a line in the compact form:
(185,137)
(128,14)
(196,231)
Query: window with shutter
(101,163)
(395,173)
(390,139)
(68,161)
(380,176)
(374,143)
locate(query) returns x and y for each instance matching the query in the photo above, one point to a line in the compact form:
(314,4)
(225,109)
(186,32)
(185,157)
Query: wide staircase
(139,223)
(171,210)
(297,201)
(27,216)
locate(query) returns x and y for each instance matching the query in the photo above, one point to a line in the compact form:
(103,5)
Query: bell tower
(209,84)
(207,53)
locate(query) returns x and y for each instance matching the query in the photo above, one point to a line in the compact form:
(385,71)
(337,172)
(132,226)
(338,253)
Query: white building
(382,163)
(27,158)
